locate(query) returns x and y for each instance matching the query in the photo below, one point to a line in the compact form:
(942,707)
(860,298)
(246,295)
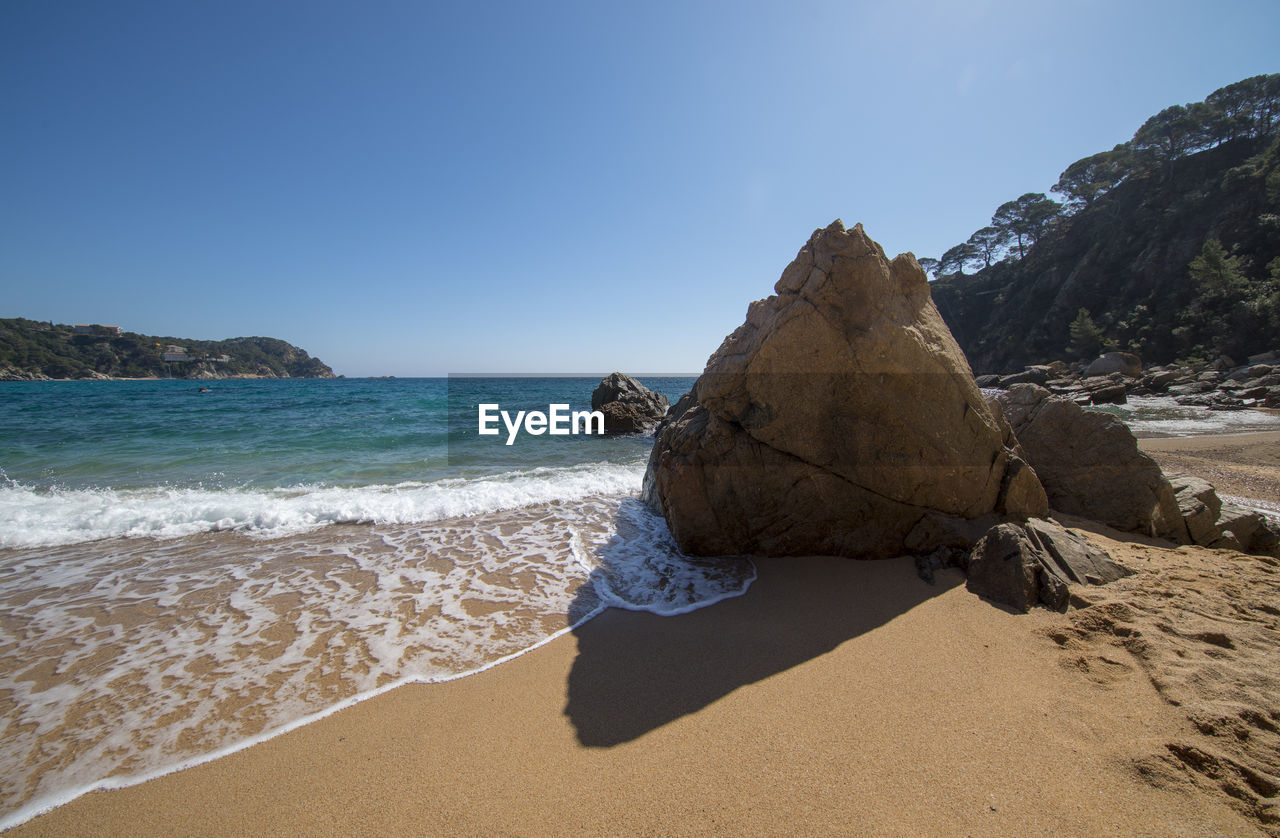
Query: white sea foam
(1147,415)
(130,658)
(636,565)
(35,518)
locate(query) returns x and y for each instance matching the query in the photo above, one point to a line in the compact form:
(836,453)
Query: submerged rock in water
(837,419)
(628,406)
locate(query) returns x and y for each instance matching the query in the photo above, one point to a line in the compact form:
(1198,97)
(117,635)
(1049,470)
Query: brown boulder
(623,418)
(1031,375)
(1005,567)
(835,419)
(1246,525)
(1090,465)
(1212,523)
(1074,556)
(1109,394)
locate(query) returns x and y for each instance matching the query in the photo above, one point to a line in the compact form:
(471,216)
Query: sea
(187,568)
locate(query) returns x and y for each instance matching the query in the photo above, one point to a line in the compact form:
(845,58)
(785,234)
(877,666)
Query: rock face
(1022,566)
(628,406)
(836,419)
(1090,465)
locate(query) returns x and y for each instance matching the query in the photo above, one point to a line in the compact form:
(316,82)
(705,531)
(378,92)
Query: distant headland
(32,350)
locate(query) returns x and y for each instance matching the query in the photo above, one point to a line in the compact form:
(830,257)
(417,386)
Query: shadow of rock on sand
(636,671)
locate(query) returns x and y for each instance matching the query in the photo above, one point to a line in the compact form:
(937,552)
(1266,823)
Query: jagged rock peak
(839,416)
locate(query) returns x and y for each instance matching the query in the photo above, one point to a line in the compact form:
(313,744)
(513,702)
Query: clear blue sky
(413,188)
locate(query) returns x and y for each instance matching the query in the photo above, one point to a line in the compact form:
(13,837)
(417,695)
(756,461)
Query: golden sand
(836,697)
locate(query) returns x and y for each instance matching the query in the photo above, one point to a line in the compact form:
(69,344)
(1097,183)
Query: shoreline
(36,809)
(855,677)
(1242,465)
(1204,441)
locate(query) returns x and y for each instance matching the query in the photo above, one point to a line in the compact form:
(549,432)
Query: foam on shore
(37,518)
(1162,416)
(128,659)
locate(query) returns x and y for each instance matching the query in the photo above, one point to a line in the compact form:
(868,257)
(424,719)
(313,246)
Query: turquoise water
(275,433)
(86,460)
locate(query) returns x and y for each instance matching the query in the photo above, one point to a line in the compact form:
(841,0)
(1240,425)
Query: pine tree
(1217,315)
(1086,337)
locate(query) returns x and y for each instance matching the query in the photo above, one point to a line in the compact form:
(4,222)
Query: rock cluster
(8,373)
(840,419)
(1090,465)
(628,406)
(1212,523)
(1220,385)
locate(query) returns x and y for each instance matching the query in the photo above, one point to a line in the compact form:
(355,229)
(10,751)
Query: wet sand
(836,697)
(1242,465)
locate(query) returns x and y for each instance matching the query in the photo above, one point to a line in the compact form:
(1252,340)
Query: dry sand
(836,697)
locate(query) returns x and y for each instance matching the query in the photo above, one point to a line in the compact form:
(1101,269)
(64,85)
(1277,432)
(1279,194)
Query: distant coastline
(33,350)
(8,374)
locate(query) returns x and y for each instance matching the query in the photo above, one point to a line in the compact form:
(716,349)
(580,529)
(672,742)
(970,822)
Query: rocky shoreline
(1221,384)
(842,419)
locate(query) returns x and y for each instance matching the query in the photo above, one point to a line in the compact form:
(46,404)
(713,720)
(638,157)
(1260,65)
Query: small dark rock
(1031,375)
(1033,564)
(1112,394)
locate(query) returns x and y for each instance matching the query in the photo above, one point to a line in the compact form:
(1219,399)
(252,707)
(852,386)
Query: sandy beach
(836,697)
(1243,465)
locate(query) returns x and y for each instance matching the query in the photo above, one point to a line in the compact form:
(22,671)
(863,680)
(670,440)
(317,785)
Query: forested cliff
(34,349)
(1167,245)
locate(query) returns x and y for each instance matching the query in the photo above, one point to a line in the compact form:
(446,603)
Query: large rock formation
(1124,259)
(1090,465)
(836,420)
(628,406)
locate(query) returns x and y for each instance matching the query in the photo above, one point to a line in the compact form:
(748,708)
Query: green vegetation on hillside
(29,347)
(1169,244)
